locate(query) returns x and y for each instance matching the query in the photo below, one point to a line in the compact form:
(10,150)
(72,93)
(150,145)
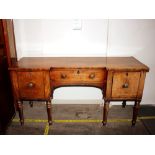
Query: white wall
(57,38)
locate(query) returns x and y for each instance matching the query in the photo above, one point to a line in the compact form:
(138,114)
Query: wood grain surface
(110,63)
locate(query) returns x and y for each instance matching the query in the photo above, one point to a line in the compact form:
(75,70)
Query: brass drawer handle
(92,76)
(125,85)
(63,76)
(31,85)
(78,72)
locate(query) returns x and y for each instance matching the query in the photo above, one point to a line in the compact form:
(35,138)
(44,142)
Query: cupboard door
(125,85)
(31,85)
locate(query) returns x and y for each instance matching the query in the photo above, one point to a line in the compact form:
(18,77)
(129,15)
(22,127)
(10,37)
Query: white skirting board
(101,102)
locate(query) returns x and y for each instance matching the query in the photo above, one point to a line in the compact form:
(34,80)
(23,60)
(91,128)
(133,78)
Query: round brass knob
(92,76)
(125,85)
(63,76)
(78,72)
(31,84)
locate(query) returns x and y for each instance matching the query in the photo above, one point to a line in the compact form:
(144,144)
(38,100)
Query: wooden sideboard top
(111,63)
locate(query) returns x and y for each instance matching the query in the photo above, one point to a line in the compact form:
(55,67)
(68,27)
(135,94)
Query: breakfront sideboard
(119,78)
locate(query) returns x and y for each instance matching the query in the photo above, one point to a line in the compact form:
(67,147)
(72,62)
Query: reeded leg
(135,112)
(123,104)
(49,108)
(105,112)
(20,110)
(31,103)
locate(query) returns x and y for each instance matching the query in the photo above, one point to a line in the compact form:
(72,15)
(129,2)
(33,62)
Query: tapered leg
(20,110)
(31,103)
(135,112)
(105,112)
(49,109)
(123,104)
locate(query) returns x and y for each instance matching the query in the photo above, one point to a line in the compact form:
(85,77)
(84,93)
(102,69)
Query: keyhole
(126,74)
(78,72)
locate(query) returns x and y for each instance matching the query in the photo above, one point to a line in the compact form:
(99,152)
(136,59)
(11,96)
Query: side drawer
(125,85)
(31,85)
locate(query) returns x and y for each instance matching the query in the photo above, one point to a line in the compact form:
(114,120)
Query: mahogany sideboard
(119,78)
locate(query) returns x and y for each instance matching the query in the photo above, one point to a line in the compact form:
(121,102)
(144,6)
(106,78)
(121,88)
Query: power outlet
(77,24)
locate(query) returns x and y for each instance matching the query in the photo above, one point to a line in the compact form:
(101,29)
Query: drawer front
(77,76)
(31,85)
(125,84)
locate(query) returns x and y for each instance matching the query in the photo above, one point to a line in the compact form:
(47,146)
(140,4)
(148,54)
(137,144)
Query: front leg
(105,112)
(123,104)
(135,112)
(49,109)
(20,110)
(31,103)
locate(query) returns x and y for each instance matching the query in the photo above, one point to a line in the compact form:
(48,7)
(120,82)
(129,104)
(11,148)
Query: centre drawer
(77,75)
